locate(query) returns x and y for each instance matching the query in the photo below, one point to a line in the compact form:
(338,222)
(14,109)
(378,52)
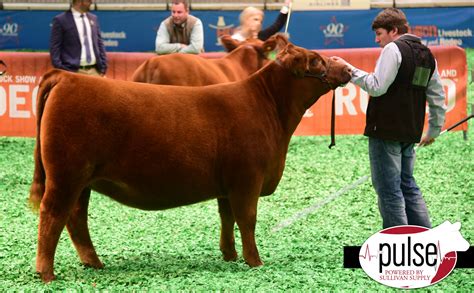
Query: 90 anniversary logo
(412,256)
(9,31)
(334,32)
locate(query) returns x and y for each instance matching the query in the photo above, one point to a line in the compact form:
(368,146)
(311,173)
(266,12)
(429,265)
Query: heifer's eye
(314,62)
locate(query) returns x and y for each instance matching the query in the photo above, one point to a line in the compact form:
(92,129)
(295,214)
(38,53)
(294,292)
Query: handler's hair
(249,11)
(184,2)
(389,19)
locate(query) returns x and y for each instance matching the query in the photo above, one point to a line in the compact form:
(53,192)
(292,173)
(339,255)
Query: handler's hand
(285,9)
(343,62)
(426,141)
(340,60)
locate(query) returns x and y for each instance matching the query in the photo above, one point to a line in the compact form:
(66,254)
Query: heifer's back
(194,70)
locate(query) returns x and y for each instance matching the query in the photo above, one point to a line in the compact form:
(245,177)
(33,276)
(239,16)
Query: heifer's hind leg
(79,232)
(244,207)
(227,241)
(55,208)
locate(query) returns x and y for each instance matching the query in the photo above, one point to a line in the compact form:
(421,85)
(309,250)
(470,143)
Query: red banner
(19,88)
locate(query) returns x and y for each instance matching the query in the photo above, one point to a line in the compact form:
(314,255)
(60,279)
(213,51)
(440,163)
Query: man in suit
(76,44)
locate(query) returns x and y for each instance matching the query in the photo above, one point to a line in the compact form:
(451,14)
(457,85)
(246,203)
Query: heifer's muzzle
(323,76)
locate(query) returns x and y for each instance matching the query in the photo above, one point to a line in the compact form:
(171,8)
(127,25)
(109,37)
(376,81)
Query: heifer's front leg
(244,207)
(227,241)
(54,212)
(79,232)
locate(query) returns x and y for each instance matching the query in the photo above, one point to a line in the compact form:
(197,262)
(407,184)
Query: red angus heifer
(194,70)
(156,147)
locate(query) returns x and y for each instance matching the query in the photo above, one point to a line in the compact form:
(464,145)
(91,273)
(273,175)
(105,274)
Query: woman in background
(251,19)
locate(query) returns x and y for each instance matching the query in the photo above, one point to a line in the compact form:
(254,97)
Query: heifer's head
(309,64)
(231,44)
(262,47)
(450,237)
(251,55)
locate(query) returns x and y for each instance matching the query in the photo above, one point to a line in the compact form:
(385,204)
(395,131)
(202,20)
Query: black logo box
(465,259)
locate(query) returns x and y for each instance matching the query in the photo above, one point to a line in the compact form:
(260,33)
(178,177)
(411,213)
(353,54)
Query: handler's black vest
(399,114)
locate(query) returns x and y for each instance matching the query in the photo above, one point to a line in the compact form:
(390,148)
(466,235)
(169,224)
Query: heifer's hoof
(94,264)
(230,256)
(254,263)
(47,277)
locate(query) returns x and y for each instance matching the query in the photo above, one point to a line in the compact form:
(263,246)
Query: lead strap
(333,120)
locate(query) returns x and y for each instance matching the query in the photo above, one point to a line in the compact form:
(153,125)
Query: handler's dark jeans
(400,200)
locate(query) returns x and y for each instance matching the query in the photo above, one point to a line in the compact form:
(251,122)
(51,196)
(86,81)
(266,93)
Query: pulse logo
(412,256)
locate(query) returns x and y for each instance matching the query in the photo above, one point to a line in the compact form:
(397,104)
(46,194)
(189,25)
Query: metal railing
(206,4)
(139,4)
(131,4)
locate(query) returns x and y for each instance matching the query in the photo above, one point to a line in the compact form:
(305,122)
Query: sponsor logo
(18,95)
(432,35)
(222,29)
(334,32)
(112,39)
(412,256)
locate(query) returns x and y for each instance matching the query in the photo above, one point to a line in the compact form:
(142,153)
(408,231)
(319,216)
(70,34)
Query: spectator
(404,79)
(251,19)
(76,44)
(181,32)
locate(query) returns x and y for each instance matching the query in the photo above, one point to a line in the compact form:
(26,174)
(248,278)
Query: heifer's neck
(248,58)
(291,95)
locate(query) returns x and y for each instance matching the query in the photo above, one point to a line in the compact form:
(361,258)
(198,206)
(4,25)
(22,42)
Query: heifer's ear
(275,43)
(281,41)
(269,45)
(229,43)
(294,60)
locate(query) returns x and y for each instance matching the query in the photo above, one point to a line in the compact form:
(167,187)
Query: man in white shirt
(181,32)
(405,79)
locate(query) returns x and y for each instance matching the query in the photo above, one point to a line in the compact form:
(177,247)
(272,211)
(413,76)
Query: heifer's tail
(141,72)
(39,177)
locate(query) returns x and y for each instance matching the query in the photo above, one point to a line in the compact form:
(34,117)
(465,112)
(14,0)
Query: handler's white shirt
(80,29)
(386,70)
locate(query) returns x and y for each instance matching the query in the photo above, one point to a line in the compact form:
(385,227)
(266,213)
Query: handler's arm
(386,69)
(196,41)
(437,108)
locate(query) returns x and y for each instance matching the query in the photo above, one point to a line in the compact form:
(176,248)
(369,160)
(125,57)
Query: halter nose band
(322,76)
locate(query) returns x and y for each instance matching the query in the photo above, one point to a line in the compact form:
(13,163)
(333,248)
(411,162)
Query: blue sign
(135,31)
